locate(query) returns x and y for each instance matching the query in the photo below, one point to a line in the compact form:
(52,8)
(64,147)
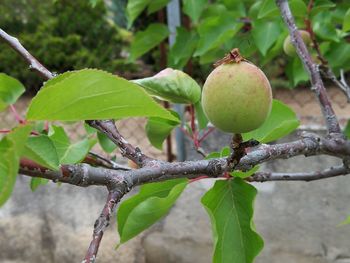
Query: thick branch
(311,67)
(85,175)
(309,176)
(34,64)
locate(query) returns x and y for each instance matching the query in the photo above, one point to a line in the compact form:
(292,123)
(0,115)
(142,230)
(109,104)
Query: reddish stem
(5,131)
(198,178)
(186,132)
(209,131)
(312,34)
(18,118)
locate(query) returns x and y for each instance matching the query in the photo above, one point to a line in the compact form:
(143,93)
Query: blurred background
(137,39)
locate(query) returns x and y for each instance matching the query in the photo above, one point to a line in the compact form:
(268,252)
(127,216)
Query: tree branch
(102,222)
(34,64)
(310,176)
(311,67)
(127,150)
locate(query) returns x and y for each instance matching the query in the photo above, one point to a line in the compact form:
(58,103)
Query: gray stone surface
(54,224)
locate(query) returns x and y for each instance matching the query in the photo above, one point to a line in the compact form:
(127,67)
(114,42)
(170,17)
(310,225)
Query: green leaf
(296,72)
(107,145)
(281,122)
(347,130)
(11,147)
(216,30)
(230,207)
(345,222)
(178,55)
(10,90)
(172,85)
(93,3)
(225,151)
(41,150)
(339,55)
(265,33)
(246,174)
(91,94)
(147,207)
(324,28)
(346,21)
(36,182)
(158,129)
(268,9)
(194,8)
(321,5)
(200,115)
(134,9)
(144,41)
(155,5)
(68,153)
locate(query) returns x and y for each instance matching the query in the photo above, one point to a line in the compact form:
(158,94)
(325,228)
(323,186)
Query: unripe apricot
(237,97)
(288,47)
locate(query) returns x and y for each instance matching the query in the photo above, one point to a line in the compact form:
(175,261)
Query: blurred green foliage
(257,29)
(62,34)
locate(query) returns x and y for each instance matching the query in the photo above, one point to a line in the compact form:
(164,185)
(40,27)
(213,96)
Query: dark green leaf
(134,9)
(194,8)
(339,55)
(155,5)
(230,207)
(281,122)
(144,41)
(10,90)
(147,207)
(41,150)
(265,33)
(178,55)
(158,129)
(91,94)
(172,85)
(321,5)
(214,31)
(269,8)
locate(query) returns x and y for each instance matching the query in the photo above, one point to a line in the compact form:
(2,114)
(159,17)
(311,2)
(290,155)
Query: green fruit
(288,46)
(237,97)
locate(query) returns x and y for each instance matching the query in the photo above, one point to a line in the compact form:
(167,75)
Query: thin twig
(311,67)
(307,176)
(102,223)
(34,64)
(97,159)
(133,153)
